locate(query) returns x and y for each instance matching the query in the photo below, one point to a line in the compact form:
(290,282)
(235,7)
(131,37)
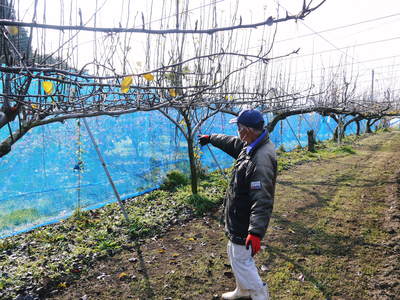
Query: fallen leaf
(75,271)
(264,268)
(301,259)
(102,276)
(133,259)
(122,275)
(228,274)
(277,227)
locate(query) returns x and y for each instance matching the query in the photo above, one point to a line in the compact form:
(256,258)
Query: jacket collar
(262,139)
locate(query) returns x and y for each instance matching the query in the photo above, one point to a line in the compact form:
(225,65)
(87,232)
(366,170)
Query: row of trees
(192,71)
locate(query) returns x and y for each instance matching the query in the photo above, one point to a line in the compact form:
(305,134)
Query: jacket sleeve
(262,190)
(231,145)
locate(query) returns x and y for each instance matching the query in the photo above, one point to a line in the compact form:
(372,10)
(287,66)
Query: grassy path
(334,235)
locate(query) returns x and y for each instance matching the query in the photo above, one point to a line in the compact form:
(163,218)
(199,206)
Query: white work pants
(244,267)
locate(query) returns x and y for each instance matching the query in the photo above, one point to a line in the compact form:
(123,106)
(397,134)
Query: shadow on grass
(312,241)
(339,182)
(316,245)
(148,290)
(276,252)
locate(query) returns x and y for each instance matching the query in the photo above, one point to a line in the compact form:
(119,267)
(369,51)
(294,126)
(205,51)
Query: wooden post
(311,140)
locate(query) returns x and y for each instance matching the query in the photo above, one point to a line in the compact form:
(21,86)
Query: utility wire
(317,33)
(360,73)
(330,29)
(348,64)
(346,47)
(339,27)
(326,40)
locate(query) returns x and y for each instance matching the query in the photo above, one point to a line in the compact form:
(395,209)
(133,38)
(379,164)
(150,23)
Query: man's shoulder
(264,152)
(267,148)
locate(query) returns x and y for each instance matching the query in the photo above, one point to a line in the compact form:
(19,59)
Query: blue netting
(40,183)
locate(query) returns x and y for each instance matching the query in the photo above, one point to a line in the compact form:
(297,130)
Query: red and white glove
(255,243)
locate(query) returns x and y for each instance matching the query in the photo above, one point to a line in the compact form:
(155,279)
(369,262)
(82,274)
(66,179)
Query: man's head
(250,125)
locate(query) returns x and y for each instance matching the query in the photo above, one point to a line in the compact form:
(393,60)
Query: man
(249,199)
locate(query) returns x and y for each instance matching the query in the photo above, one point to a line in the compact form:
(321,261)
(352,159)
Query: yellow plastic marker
(126,83)
(148,76)
(172,92)
(13,30)
(48,87)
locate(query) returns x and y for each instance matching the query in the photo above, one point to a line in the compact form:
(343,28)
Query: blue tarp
(40,186)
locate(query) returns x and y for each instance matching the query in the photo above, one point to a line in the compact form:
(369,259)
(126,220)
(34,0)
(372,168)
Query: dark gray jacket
(250,196)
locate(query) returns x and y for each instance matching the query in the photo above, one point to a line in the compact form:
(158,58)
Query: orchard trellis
(189,70)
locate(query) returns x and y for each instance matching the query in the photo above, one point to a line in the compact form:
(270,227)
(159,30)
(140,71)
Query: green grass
(323,150)
(7,244)
(19,217)
(345,150)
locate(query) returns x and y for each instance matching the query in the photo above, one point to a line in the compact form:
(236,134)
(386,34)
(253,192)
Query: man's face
(243,133)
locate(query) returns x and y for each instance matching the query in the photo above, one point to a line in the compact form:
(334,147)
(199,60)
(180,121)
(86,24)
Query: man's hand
(255,243)
(204,139)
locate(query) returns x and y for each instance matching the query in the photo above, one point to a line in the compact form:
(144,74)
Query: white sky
(370,45)
(363,43)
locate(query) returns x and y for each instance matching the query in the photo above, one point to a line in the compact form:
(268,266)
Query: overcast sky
(363,32)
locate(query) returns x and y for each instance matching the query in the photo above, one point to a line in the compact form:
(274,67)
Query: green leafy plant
(200,203)
(139,228)
(108,245)
(173,180)
(345,149)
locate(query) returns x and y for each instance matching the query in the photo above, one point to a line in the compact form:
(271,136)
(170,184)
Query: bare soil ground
(334,235)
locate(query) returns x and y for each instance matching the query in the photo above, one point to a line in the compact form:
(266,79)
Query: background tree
(190,69)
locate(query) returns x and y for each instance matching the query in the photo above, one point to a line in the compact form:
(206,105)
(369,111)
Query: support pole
(106,170)
(372,85)
(216,161)
(294,133)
